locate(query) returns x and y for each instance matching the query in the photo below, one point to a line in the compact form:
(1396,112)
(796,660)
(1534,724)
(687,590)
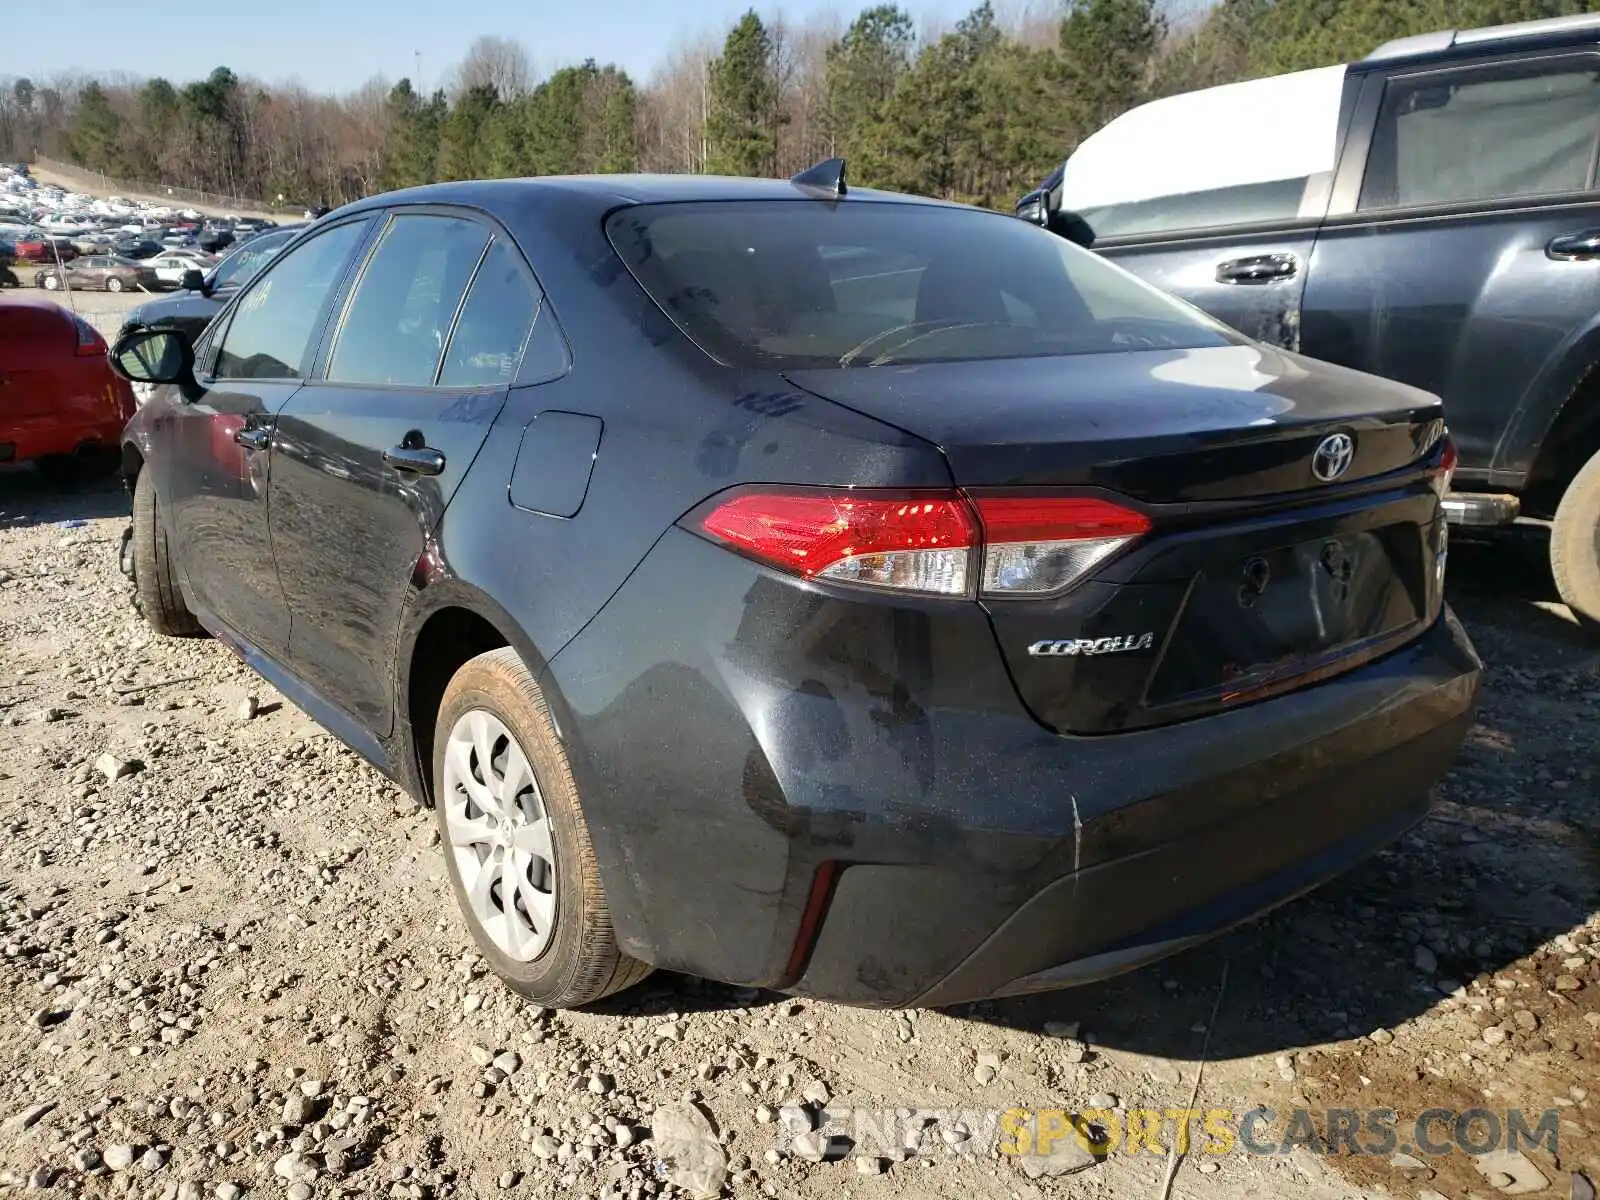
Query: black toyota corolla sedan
(808,587)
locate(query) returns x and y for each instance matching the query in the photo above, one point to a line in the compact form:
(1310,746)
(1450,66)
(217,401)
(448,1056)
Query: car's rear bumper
(23,439)
(848,800)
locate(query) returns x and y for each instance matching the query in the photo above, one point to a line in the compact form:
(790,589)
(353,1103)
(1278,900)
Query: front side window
(395,326)
(269,333)
(795,284)
(1494,133)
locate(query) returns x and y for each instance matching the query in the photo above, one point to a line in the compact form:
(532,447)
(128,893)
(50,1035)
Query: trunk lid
(1256,577)
(1164,426)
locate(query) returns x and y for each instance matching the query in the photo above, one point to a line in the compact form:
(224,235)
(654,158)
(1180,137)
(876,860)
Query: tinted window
(803,284)
(494,323)
(395,327)
(1493,133)
(271,327)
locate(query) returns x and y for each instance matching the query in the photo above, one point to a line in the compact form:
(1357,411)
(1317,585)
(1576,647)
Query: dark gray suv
(1429,213)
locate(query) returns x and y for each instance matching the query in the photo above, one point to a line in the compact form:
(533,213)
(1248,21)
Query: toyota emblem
(1332,457)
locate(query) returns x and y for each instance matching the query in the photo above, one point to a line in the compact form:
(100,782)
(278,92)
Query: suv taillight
(944,543)
(1444,472)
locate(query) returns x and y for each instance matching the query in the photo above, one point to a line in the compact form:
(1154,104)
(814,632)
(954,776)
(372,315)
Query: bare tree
(497,62)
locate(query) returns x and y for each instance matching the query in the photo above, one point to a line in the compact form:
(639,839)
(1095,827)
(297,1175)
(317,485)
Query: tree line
(978,113)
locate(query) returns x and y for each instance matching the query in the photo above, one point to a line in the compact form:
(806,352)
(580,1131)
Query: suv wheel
(155,582)
(1575,546)
(515,842)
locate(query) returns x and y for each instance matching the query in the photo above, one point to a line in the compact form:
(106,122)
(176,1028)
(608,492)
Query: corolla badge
(1107,645)
(1332,457)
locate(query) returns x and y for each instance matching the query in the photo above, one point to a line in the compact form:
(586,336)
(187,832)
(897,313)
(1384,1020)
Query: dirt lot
(229,964)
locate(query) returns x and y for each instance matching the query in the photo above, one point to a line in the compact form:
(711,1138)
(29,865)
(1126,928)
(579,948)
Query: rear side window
(1515,129)
(397,320)
(791,284)
(499,312)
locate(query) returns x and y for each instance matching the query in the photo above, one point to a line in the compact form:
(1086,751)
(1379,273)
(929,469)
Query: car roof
(1489,37)
(611,191)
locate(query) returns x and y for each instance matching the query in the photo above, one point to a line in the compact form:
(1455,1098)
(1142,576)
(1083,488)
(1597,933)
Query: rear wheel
(52,283)
(515,841)
(155,581)
(1575,546)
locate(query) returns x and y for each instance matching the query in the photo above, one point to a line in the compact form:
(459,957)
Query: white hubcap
(499,834)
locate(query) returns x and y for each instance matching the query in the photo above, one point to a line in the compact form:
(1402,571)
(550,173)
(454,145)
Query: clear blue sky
(337,45)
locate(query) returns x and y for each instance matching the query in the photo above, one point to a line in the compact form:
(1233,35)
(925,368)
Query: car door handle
(1570,247)
(1258,268)
(414,460)
(253,437)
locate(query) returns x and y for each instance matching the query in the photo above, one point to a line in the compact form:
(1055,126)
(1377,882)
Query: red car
(40,250)
(60,405)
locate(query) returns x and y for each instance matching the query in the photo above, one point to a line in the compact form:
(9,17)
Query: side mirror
(192,280)
(1071,226)
(1033,208)
(155,356)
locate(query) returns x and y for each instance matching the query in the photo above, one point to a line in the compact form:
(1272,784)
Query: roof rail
(1446,39)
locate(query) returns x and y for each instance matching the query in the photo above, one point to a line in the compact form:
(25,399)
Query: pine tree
(740,130)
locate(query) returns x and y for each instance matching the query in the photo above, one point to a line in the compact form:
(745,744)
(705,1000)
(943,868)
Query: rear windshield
(803,283)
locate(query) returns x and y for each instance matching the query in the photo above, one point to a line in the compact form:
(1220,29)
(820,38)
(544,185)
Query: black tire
(582,961)
(1575,546)
(155,582)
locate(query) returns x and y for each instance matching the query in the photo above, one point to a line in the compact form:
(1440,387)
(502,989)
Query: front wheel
(52,283)
(515,842)
(155,578)
(113,284)
(1575,546)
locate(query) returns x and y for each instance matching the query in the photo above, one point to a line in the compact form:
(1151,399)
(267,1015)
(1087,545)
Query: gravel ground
(229,965)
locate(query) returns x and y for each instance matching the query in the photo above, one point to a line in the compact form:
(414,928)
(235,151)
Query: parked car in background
(136,246)
(170,269)
(1431,214)
(45,250)
(61,407)
(215,240)
(99,272)
(191,309)
(808,587)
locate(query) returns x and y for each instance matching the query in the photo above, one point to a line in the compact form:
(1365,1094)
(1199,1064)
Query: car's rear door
(1461,252)
(1231,231)
(369,453)
(210,450)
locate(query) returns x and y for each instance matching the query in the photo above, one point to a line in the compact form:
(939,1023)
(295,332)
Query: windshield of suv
(803,283)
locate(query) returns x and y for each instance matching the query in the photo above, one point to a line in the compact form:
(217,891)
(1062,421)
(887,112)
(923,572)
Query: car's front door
(1462,248)
(369,452)
(214,445)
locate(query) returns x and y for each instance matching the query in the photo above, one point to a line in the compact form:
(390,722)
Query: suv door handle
(253,437)
(1258,268)
(1571,247)
(414,460)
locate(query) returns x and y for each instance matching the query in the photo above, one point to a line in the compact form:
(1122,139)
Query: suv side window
(398,317)
(269,332)
(1485,133)
(487,343)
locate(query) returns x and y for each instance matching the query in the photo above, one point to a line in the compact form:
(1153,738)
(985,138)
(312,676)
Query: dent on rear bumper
(732,730)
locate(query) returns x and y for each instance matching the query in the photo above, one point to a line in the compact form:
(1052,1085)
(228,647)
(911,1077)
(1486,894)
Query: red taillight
(90,343)
(924,541)
(910,540)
